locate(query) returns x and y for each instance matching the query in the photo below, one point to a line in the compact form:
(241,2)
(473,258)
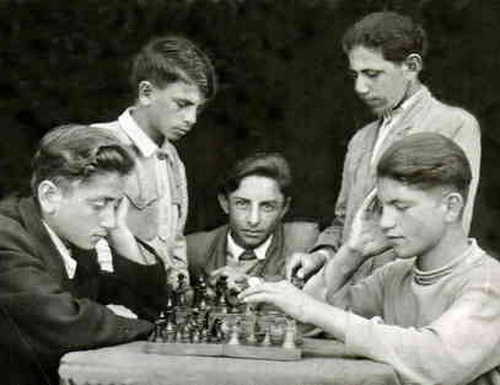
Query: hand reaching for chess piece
(282,294)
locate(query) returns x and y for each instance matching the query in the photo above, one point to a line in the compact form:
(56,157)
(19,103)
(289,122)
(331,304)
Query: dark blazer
(44,314)
(207,250)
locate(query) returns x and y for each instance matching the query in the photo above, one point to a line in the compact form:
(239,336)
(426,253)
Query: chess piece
(234,338)
(267,338)
(170,333)
(290,332)
(159,326)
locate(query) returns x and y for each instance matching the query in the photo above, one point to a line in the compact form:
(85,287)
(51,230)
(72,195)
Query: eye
(98,204)
(401,206)
(241,204)
(269,207)
(352,75)
(372,74)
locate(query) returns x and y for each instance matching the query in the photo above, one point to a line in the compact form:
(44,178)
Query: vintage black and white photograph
(249,192)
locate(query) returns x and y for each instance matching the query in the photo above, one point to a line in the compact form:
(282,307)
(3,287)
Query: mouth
(394,239)
(252,233)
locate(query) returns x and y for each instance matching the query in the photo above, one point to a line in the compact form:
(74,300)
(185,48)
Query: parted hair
(268,164)
(426,160)
(168,59)
(77,152)
(397,36)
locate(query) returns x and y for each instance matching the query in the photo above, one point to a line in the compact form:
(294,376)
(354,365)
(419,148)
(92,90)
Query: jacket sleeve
(49,317)
(332,235)
(457,347)
(140,288)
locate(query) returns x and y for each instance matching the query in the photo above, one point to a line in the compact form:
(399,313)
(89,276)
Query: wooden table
(323,362)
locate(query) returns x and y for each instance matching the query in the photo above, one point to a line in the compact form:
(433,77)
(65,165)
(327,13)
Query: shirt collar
(69,263)
(143,142)
(429,277)
(236,250)
(405,105)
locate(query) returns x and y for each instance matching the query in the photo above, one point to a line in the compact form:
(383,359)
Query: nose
(190,116)
(108,217)
(361,85)
(254,216)
(387,219)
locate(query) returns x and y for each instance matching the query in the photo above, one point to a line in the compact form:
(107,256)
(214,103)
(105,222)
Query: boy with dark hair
(255,194)
(386,52)
(172,79)
(52,293)
(434,314)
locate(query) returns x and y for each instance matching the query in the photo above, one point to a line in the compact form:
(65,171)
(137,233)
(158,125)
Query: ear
(145,93)
(223,202)
(49,196)
(413,64)
(454,204)
(286,206)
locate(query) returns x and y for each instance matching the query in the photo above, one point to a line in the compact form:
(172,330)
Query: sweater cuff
(359,335)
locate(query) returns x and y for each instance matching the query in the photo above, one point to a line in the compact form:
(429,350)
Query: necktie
(247,255)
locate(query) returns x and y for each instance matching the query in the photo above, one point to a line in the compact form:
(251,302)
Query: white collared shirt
(234,250)
(390,119)
(148,149)
(69,263)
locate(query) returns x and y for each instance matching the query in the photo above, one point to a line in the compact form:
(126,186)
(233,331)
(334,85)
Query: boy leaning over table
(433,314)
(53,296)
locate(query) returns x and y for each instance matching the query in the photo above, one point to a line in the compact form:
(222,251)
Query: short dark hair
(272,165)
(397,36)
(77,152)
(169,59)
(427,160)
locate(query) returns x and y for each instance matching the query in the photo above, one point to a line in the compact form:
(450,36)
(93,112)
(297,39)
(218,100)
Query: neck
(453,244)
(411,90)
(142,119)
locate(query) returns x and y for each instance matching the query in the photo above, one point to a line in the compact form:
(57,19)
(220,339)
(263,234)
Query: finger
(294,264)
(122,209)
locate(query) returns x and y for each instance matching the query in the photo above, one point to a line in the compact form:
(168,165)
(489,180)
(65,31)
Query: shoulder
(362,135)
(199,242)
(454,116)
(116,128)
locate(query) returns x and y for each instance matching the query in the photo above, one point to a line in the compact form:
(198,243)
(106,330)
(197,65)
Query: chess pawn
(289,340)
(185,333)
(196,336)
(235,336)
(267,338)
(170,333)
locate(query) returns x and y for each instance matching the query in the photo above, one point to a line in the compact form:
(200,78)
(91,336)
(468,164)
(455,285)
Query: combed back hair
(397,36)
(170,59)
(271,165)
(426,160)
(75,153)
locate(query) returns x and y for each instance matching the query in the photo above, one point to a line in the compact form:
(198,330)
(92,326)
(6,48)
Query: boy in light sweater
(433,314)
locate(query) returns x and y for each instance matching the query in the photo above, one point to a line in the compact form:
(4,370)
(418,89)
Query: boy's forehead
(104,185)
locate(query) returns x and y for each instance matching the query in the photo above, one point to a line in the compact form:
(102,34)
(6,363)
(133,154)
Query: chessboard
(217,325)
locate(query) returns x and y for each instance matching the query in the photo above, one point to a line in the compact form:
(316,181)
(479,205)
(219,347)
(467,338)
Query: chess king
(255,196)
